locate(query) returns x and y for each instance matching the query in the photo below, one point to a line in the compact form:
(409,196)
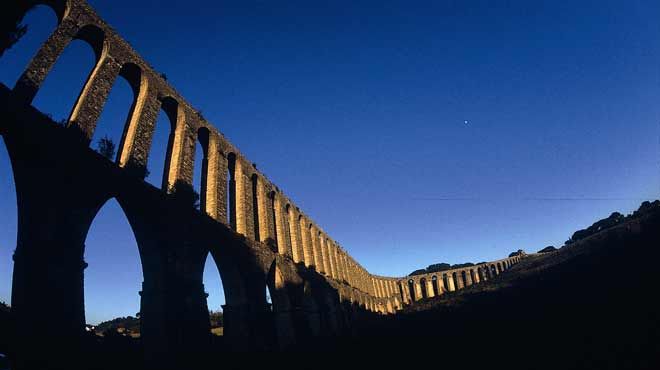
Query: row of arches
(153,130)
(120,98)
(431,285)
(153,136)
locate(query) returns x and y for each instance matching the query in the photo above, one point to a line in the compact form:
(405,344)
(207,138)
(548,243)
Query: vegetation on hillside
(128,325)
(590,305)
(547,249)
(614,219)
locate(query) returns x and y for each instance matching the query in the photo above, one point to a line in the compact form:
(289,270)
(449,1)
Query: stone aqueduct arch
(450,280)
(256,235)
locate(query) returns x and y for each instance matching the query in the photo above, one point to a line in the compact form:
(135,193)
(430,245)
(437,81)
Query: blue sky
(357,109)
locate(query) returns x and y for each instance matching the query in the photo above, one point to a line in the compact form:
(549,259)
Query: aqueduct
(256,235)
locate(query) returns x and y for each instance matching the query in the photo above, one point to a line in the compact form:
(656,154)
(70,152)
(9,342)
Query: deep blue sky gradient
(357,109)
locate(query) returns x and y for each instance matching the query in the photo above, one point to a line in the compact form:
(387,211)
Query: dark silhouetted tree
(107,148)
(11,29)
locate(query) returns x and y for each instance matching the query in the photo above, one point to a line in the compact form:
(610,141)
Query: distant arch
(423,286)
(445,282)
(411,289)
(456,282)
(464,278)
(436,287)
(480,271)
(401,292)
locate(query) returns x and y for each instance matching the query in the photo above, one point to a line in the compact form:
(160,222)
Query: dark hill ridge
(589,305)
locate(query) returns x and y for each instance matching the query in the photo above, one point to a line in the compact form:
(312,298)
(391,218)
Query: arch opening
(411,289)
(201,165)
(255,206)
(8,223)
(215,299)
(288,228)
(422,285)
(445,282)
(436,287)
(63,85)
(117,112)
(273,221)
(113,278)
(160,153)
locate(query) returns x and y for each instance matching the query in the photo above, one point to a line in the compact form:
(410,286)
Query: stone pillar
(418,291)
(429,288)
(468,278)
(306,239)
(476,279)
(459,281)
(243,208)
(221,184)
(262,211)
(317,263)
(93,96)
(332,259)
(325,255)
(294,230)
(280,230)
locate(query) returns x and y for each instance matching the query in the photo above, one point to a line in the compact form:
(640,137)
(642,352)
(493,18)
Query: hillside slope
(591,305)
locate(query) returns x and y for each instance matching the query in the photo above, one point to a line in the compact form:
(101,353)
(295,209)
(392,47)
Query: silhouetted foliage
(137,169)
(216,318)
(548,249)
(614,219)
(437,267)
(126,325)
(106,147)
(11,28)
(272,244)
(519,252)
(185,193)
